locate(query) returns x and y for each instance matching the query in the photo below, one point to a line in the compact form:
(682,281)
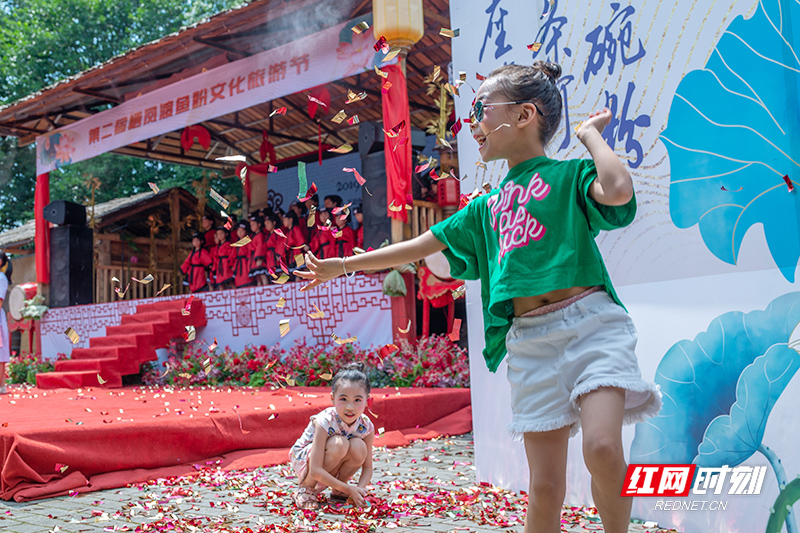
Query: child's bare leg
(353,461)
(547,462)
(601,417)
(336,449)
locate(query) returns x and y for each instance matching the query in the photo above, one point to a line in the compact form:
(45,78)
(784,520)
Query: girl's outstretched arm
(366,470)
(613,185)
(322,270)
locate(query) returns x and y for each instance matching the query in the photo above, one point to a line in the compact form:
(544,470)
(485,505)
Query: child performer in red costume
(240,259)
(222,274)
(196,265)
(549,307)
(345,237)
(295,240)
(258,265)
(358,212)
(323,245)
(275,245)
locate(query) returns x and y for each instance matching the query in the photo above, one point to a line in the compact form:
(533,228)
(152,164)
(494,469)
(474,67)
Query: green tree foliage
(45,41)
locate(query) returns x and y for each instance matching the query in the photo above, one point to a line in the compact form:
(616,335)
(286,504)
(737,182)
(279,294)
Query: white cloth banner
(249,316)
(313,60)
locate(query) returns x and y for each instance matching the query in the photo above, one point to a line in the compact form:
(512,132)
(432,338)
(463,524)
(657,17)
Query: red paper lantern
(449,192)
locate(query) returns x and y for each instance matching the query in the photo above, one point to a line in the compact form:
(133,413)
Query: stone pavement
(424,488)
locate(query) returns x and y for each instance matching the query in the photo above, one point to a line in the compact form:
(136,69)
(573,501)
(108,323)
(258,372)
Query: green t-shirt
(532,235)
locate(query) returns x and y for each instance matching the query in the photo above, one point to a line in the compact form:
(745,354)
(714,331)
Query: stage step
(125,347)
(76,380)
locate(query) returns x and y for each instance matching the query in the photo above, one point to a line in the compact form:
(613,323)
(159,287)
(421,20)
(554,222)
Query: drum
(439,266)
(17,297)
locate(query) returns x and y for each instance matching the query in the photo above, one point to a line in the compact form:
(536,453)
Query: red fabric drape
(42,239)
(398,151)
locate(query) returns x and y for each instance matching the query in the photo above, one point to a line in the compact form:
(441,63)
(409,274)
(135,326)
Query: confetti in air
(359,178)
(455,335)
(284,326)
(244,241)
(360,28)
(73,335)
(317,313)
(217,197)
(343,149)
(339,117)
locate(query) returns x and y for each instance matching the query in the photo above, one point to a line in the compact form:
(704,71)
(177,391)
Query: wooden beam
(220,46)
(97,94)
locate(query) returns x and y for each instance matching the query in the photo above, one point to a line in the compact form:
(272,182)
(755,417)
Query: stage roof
(115,215)
(226,37)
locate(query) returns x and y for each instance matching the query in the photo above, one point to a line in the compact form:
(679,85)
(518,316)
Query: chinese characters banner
(314,60)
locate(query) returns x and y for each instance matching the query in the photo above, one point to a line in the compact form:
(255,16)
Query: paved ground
(424,488)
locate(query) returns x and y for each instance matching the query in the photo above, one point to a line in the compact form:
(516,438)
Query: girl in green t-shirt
(548,302)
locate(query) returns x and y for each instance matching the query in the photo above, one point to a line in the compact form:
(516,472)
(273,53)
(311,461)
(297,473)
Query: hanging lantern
(448,192)
(400,21)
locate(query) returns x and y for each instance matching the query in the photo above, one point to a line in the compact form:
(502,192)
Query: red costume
(323,245)
(274,247)
(257,253)
(240,263)
(345,242)
(294,240)
(209,238)
(222,272)
(194,268)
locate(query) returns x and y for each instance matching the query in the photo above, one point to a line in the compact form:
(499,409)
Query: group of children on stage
(277,238)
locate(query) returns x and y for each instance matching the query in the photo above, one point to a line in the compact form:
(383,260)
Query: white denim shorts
(555,358)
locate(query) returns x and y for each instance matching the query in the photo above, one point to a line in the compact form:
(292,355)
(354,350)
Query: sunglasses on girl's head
(476,113)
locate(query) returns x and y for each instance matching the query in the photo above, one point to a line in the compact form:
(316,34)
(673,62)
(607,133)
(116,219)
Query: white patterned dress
(334,425)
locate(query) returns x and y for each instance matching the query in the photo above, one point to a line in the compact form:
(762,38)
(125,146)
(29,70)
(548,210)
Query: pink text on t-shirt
(517,226)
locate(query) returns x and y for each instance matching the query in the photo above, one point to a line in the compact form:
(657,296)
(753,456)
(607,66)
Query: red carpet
(109,438)
(125,347)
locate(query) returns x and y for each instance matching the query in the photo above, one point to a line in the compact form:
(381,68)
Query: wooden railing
(104,287)
(423,216)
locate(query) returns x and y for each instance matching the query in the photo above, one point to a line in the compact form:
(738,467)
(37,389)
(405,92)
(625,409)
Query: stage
(251,315)
(57,442)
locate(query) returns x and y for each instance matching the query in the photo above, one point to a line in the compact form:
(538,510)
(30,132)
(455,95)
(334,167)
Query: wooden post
(175,221)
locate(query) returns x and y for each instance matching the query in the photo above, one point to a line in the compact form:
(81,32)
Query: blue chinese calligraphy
(606,44)
(550,32)
(622,128)
(563,81)
(499,25)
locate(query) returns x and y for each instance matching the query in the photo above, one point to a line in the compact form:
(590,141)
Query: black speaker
(370,138)
(62,213)
(377,226)
(71,266)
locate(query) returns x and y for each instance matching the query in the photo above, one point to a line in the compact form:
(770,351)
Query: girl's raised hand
(597,120)
(319,270)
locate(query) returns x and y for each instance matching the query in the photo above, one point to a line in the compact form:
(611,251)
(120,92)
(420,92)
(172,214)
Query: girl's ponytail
(351,373)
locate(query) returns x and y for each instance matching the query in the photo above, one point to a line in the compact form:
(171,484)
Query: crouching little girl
(336,444)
